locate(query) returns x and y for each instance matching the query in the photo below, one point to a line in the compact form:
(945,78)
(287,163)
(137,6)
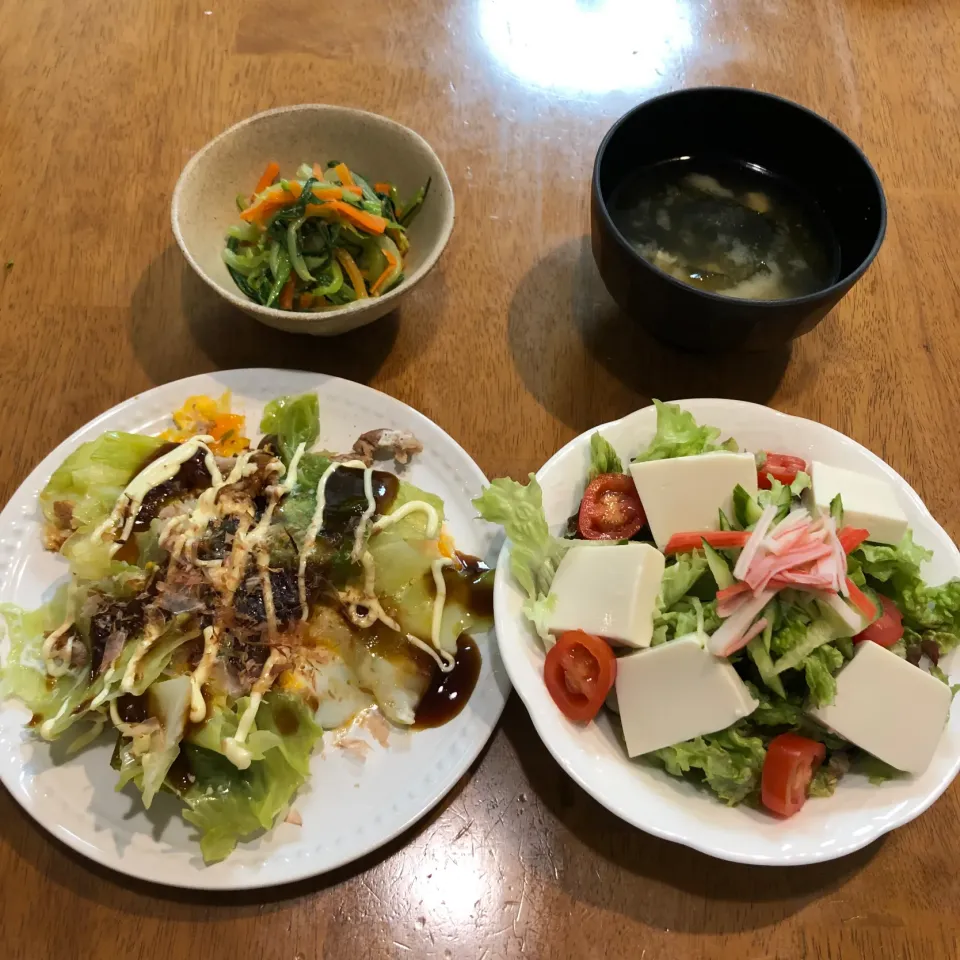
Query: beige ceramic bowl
(204,200)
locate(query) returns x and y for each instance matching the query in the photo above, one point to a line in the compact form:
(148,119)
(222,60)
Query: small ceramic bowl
(204,200)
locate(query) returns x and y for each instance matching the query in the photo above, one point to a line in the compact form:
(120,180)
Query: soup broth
(729,228)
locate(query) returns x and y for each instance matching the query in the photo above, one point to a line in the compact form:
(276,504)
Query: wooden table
(514,347)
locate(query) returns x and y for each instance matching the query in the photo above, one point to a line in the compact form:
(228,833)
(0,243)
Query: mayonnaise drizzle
(151,634)
(433,518)
(361,531)
(57,661)
(233,747)
(314,528)
(375,610)
(160,471)
(211,646)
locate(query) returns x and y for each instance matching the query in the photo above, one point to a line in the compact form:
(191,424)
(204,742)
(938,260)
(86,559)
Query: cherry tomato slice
(788,769)
(579,672)
(610,508)
(887,629)
(781,467)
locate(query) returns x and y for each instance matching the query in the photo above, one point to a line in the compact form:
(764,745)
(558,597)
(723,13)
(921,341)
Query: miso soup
(733,229)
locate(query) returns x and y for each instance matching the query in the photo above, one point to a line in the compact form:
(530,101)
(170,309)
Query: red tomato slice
(579,672)
(610,508)
(887,629)
(788,769)
(780,466)
(719,539)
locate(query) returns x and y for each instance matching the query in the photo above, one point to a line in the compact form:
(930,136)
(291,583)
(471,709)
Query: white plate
(672,808)
(349,807)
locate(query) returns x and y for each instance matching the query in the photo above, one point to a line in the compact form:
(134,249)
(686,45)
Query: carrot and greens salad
(323,239)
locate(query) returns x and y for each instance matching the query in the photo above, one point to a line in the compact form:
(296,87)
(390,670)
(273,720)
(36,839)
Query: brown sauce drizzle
(345,499)
(471,586)
(131,708)
(448,693)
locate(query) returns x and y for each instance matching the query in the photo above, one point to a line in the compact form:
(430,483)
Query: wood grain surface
(513,346)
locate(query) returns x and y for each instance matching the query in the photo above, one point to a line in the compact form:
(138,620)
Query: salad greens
(323,239)
(190,639)
(292,420)
(679,435)
(603,458)
(792,664)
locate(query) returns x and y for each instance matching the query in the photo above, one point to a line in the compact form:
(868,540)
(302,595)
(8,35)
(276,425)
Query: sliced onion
(752,546)
(733,628)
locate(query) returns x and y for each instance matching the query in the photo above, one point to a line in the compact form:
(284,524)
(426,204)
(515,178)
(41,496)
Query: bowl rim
(313,318)
(838,287)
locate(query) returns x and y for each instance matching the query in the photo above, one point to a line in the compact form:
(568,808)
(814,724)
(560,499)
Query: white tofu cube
(688,493)
(868,502)
(610,591)
(676,692)
(889,708)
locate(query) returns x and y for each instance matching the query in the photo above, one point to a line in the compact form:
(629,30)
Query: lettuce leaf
(679,435)
(292,420)
(929,613)
(819,669)
(227,804)
(730,762)
(679,578)
(535,554)
(603,458)
(83,490)
(24,674)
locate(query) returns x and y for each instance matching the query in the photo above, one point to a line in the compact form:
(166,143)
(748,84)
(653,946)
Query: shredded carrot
(286,295)
(343,173)
(353,272)
(272,200)
(268,176)
(391,266)
(359,218)
(328,193)
(355,190)
(381,188)
(306,301)
(317,172)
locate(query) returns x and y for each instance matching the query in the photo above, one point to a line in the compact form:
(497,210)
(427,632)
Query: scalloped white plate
(349,807)
(666,806)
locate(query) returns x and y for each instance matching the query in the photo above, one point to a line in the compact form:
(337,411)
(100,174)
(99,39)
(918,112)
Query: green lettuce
(686,616)
(24,674)
(226,804)
(819,669)
(83,490)
(679,435)
(292,420)
(603,458)
(825,780)
(535,554)
(730,762)
(929,613)
(679,578)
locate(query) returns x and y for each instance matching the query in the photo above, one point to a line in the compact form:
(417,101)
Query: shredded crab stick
(718,539)
(799,552)
(728,637)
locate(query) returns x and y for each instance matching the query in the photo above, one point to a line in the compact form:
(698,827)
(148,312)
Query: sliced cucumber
(745,508)
(718,567)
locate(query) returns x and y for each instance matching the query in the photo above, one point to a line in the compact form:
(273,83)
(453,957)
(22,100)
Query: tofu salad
(759,623)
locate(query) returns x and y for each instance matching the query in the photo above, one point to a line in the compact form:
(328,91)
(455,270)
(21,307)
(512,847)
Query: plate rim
(250,879)
(551,737)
